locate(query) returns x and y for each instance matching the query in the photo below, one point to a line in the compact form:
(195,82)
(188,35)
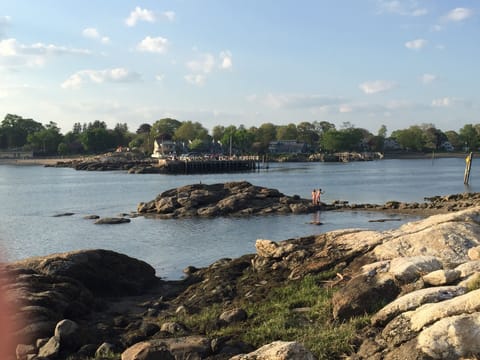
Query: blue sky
(223,62)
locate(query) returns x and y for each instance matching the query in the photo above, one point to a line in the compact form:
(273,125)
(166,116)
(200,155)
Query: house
(391,144)
(162,148)
(447,146)
(287,147)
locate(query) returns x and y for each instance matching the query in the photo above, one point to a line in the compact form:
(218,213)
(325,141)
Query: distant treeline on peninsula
(18,133)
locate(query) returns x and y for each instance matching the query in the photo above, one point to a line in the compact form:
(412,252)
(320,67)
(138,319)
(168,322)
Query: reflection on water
(30,196)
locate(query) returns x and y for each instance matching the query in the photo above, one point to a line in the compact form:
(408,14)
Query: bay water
(31,196)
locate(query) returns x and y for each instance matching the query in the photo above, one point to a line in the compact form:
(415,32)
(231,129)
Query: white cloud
(169,15)
(443,102)
(419,12)
(226,60)
(11,47)
(428,78)
(140,14)
(100,76)
(203,64)
(458,14)
(92,33)
(155,45)
(13,54)
(373,87)
(296,101)
(159,77)
(195,79)
(416,44)
(451,101)
(404,7)
(436,28)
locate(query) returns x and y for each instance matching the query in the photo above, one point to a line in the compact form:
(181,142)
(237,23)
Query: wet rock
(112,221)
(64,214)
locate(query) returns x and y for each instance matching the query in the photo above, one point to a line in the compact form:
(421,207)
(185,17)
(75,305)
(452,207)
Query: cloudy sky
(223,62)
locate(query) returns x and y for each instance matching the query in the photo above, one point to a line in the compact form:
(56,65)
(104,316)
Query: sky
(242,62)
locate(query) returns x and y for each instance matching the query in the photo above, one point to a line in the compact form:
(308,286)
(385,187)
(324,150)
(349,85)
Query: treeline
(95,137)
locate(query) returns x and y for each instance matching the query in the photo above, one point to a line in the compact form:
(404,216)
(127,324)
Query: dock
(207,166)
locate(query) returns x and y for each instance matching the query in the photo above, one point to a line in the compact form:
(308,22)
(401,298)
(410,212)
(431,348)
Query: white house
(162,148)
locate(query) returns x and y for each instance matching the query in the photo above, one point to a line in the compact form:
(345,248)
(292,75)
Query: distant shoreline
(36,161)
(55,160)
(425,155)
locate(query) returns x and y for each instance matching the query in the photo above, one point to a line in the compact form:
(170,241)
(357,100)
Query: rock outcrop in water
(418,284)
(233,198)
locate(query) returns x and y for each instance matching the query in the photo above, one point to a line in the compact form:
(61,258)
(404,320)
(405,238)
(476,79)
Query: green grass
(299,311)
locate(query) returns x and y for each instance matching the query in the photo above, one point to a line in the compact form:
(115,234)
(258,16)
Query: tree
(190,131)
(382,132)
(469,136)
(306,133)
(265,134)
(46,141)
(412,138)
(14,130)
(97,139)
(144,129)
(217,132)
(243,139)
(165,128)
(454,139)
(122,135)
(287,132)
(333,140)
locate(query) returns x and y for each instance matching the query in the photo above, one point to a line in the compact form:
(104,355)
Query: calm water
(31,195)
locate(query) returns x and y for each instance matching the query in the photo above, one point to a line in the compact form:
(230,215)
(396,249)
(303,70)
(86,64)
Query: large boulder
(231,198)
(68,286)
(103,272)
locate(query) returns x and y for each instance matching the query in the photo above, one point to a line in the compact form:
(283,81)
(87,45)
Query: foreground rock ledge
(232,198)
(420,284)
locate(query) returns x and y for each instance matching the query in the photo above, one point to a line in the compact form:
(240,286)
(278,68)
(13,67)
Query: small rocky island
(408,293)
(224,199)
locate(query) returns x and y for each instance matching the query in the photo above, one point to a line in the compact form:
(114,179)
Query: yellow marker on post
(468,166)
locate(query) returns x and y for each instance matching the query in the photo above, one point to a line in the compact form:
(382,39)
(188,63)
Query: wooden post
(468,166)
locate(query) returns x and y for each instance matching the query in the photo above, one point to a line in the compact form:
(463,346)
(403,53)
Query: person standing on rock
(314,196)
(317,197)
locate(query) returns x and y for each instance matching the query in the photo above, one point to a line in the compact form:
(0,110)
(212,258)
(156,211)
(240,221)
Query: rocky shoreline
(410,293)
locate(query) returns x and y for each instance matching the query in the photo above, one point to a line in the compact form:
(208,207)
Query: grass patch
(298,311)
